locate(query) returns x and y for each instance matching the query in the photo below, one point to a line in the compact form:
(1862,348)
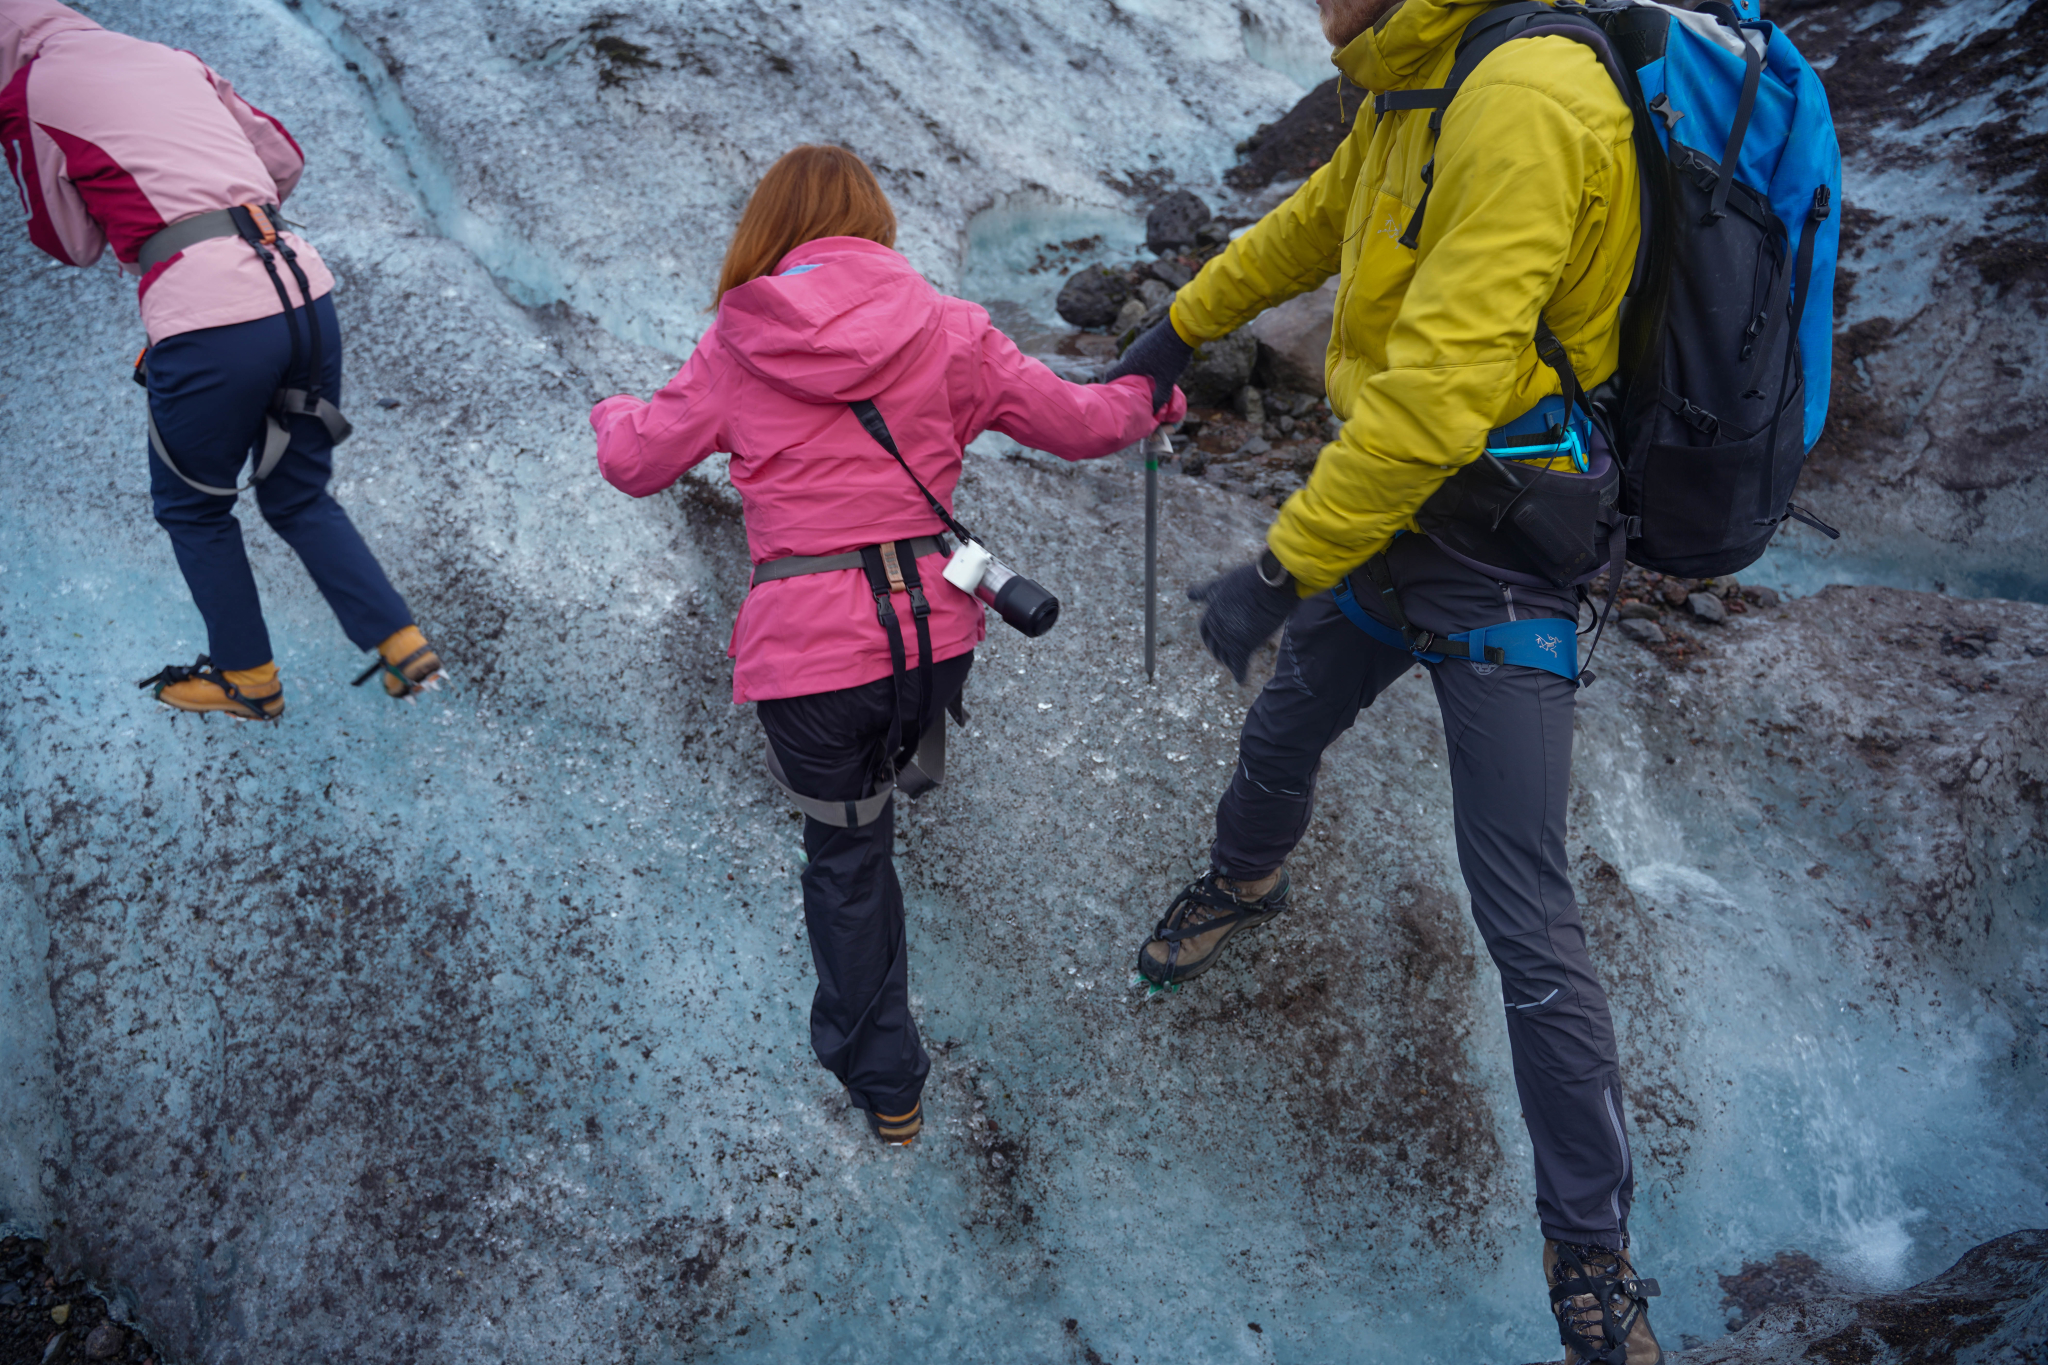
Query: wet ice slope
(474,1030)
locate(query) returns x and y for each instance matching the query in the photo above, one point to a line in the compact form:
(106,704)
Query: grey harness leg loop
(156,443)
(925,770)
(838,814)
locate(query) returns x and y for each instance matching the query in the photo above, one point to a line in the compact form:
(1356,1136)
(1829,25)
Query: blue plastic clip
(1571,444)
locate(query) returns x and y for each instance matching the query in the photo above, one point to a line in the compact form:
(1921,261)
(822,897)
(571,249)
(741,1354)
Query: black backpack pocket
(1715,429)
(1524,518)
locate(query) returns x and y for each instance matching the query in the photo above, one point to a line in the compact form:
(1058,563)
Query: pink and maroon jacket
(110,139)
(845,319)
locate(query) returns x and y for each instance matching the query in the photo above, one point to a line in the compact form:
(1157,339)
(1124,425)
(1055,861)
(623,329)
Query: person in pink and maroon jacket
(116,142)
(851,642)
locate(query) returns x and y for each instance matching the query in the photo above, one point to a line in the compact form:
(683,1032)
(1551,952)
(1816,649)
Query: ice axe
(1155,447)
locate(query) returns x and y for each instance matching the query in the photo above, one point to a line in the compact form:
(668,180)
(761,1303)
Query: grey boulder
(1296,335)
(1091,297)
(1173,222)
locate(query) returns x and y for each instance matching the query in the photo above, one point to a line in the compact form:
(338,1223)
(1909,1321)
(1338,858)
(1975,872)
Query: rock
(106,1342)
(1154,294)
(1989,1308)
(1302,139)
(1220,368)
(1091,297)
(1257,445)
(1130,315)
(1641,631)
(1707,607)
(1637,611)
(1250,404)
(1673,592)
(1296,335)
(1761,596)
(1760,1285)
(1173,222)
(1171,271)
(1212,233)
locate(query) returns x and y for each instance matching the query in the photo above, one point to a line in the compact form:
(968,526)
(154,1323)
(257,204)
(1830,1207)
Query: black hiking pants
(1508,730)
(831,746)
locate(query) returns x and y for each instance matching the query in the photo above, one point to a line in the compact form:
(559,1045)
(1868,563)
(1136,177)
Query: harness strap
(925,770)
(186,232)
(1544,643)
(798,566)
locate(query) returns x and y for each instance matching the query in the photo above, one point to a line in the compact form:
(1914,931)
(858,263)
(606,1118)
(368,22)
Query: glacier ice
(474,1030)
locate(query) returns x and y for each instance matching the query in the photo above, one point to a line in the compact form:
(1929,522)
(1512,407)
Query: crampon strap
(1606,1291)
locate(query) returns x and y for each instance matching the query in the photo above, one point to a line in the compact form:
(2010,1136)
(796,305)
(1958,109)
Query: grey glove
(1160,355)
(1242,609)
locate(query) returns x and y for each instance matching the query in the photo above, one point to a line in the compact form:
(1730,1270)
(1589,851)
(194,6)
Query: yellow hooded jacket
(1535,210)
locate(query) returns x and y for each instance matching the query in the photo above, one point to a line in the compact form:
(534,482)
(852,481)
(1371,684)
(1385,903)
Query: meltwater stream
(474,1030)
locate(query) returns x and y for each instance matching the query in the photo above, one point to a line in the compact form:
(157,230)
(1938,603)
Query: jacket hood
(25,25)
(836,320)
(1403,46)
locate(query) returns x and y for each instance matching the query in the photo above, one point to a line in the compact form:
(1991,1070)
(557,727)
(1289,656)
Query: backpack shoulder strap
(1482,37)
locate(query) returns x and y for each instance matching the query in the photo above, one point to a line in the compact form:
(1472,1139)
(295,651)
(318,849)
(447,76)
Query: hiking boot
(899,1130)
(1201,920)
(409,665)
(1601,1316)
(244,693)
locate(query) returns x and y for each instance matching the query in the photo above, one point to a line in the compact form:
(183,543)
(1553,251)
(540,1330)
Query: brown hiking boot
(1201,920)
(244,693)
(1601,1316)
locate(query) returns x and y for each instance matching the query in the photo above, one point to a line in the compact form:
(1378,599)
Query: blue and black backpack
(1728,334)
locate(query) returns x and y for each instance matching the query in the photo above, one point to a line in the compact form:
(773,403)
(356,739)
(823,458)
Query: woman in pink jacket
(113,141)
(851,642)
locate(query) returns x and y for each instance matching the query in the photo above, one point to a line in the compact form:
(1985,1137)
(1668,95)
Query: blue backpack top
(1788,150)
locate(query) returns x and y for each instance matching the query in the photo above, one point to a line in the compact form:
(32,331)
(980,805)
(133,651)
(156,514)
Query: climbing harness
(1546,643)
(256,225)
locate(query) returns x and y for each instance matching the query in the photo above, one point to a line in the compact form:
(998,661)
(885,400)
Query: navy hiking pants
(208,390)
(830,745)
(1509,734)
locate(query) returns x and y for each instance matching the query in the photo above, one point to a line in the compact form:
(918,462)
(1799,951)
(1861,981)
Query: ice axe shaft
(1156,447)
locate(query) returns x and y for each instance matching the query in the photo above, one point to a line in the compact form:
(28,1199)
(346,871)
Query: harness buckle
(1420,642)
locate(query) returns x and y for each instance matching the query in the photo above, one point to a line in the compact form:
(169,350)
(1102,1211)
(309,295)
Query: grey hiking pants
(1509,734)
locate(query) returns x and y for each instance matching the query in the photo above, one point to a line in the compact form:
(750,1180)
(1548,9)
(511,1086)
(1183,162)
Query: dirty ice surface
(475,1029)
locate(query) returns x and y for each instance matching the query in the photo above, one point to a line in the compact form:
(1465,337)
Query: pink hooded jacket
(109,139)
(845,319)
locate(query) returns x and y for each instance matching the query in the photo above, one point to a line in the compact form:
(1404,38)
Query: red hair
(812,192)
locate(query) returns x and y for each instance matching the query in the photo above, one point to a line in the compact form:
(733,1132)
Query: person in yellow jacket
(1528,232)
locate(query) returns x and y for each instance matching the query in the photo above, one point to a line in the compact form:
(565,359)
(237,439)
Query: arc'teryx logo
(1548,644)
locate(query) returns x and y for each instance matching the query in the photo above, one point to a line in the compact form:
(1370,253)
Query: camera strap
(871,418)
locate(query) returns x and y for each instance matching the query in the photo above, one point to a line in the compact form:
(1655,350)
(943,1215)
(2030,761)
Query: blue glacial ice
(474,1030)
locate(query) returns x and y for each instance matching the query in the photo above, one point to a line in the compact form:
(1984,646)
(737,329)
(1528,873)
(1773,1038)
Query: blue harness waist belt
(1548,643)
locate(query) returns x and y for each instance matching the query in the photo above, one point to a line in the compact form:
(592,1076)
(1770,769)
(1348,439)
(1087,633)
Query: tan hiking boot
(244,693)
(1601,1316)
(1201,920)
(898,1130)
(409,665)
